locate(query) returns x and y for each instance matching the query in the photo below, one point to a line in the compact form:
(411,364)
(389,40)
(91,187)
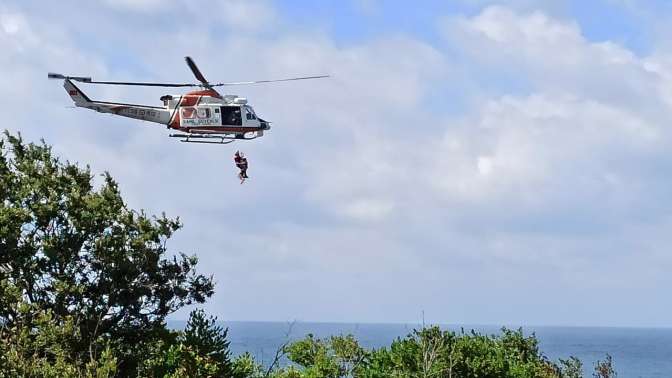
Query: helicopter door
(231,116)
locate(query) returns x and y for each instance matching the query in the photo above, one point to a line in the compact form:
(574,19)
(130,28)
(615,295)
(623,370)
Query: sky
(478,162)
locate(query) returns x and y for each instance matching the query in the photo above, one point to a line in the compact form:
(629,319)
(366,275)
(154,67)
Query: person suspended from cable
(241,162)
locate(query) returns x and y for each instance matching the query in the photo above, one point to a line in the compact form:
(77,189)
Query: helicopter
(198,116)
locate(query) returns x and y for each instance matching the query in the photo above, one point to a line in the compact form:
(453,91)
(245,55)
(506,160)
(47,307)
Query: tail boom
(141,112)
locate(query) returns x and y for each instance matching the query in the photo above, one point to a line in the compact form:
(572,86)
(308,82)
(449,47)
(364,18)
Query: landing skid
(214,138)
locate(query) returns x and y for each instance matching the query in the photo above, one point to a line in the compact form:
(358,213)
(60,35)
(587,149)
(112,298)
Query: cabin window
(231,115)
(188,113)
(203,113)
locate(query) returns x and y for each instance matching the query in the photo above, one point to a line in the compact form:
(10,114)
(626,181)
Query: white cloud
(484,165)
(503,25)
(366,189)
(11,23)
(368,209)
(15,32)
(246,14)
(139,5)
(238,16)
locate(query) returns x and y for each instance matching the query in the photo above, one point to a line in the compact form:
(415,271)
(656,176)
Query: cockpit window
(250,113)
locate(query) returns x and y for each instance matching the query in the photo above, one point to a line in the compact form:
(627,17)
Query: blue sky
(484,162)
(359,20)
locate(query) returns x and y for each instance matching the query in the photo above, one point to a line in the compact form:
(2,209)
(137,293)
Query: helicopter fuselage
(206,111)
(195,113)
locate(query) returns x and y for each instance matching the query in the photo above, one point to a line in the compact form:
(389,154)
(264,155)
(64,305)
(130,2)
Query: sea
(636,352)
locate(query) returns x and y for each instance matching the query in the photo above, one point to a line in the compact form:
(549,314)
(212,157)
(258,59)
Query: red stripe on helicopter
(221,129)
(204,92)
(175,123)
(192,98)
(118,109)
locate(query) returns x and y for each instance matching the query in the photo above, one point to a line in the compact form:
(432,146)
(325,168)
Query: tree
(206,338)
(571,368)
(316,356)
(43,351)
(81,255)
(426,353)
(604,369)
(200,350)
(204,335)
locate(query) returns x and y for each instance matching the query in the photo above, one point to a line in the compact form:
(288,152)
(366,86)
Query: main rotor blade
(195,70)
(144,84)
(269,81)
(88,80)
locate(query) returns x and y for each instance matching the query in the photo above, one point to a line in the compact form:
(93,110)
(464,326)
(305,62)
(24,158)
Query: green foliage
(316,356)
(181,360)
(571,368)
(348,353)
(201,350)
(244,366)
(428,352)
(45,351)
(80,255)
(431,352)
(604,369)
(203,335)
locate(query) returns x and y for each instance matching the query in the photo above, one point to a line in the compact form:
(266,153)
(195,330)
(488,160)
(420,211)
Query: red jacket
(240,161)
